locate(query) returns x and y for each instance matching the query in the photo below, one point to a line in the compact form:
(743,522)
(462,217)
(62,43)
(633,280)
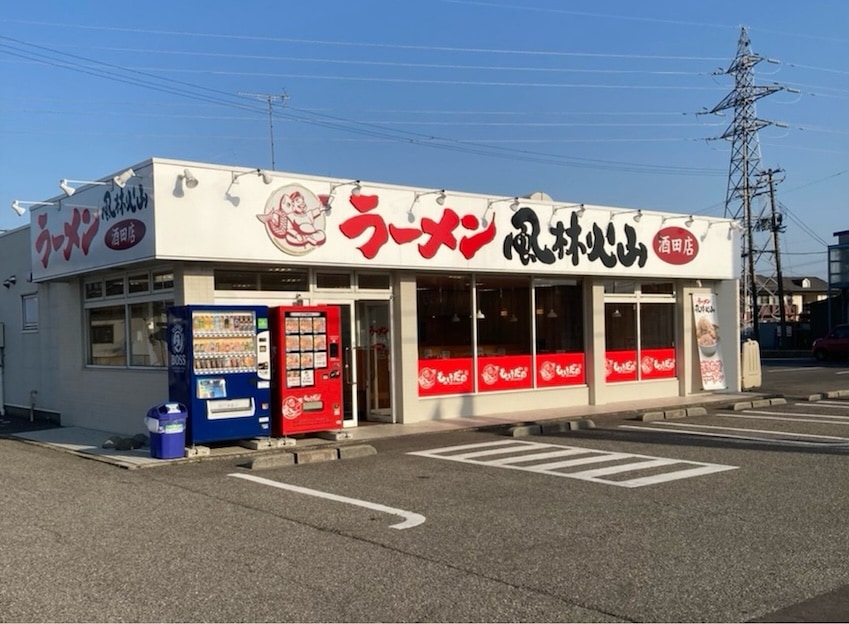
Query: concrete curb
(833,394)
(309,456)
(744,405)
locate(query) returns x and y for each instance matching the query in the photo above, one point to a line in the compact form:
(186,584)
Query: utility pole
(269,98)
(744,167)
(776,225)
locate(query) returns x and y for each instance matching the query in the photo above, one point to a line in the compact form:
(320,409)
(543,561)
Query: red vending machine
(306,388)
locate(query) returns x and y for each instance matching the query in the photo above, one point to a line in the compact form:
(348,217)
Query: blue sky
(589,101)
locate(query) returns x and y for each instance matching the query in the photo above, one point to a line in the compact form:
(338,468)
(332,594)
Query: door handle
(347,367)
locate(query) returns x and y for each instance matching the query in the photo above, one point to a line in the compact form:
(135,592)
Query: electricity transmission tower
(269,98)
(746,182)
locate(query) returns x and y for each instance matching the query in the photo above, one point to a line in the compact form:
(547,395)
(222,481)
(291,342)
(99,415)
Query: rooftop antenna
(269,98)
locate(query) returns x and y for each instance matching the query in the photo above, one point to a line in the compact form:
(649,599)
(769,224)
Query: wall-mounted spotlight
(267,178)
(331,194)
(688,219)
(440,199)
(10,281)
(19,205)
(122,178)
(440,196)
(514,203)
(555,209)
(637,215)
(189,180)
(69,190)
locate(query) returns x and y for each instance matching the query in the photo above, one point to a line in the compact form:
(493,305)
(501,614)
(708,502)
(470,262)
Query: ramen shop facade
(453,304)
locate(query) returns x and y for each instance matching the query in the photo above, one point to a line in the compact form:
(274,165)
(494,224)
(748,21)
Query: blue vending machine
(219,367)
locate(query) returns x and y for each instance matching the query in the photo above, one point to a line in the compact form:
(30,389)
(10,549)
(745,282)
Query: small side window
(29,309)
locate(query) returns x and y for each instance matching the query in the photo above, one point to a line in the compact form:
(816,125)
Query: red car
(834,346)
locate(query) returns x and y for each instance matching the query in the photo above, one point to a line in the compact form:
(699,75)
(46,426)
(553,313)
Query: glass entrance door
(374,362)
(367,365)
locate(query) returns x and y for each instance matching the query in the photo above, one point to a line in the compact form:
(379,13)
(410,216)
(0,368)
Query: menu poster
(711,364)
(306,346)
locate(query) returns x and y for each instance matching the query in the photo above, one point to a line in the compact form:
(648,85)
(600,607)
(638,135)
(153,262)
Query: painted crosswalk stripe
(573,462)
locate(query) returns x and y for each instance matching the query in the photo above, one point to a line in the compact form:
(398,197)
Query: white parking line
(802,418)
(840,404)
(411,519)
(768,413)
(479,454)
(775,436)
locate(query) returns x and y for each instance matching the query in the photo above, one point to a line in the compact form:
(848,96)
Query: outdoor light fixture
(484,221)
(440,199)
(19,205)
(267,178)
(637,216)
(555,209)
(689,219)
(189,180)
(10,281)
(440,196)
(69,190)
(331,194)
(122,178)
(514,205)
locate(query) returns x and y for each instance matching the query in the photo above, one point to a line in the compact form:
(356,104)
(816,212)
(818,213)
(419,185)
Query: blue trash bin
(166,423)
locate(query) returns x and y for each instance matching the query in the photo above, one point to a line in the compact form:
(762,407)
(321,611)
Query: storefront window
(444,311)
(106,336)
(481,337)
(639,332)
(132,331)
(620,338)
(503,318)
(657,340)
(559,326)
(333,280)
(373,281)
(148,334)
(274,279)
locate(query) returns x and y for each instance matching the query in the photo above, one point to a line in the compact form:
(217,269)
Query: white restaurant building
(453,304)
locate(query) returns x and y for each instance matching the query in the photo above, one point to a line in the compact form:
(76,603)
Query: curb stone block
(550,428)
(582,423)
(778,401)
(675,413)
(696,411)
(356,450)
(524,430)
(652,416)
(743,405)
(312,456)
(815,397)
(275,460)
(761,403)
